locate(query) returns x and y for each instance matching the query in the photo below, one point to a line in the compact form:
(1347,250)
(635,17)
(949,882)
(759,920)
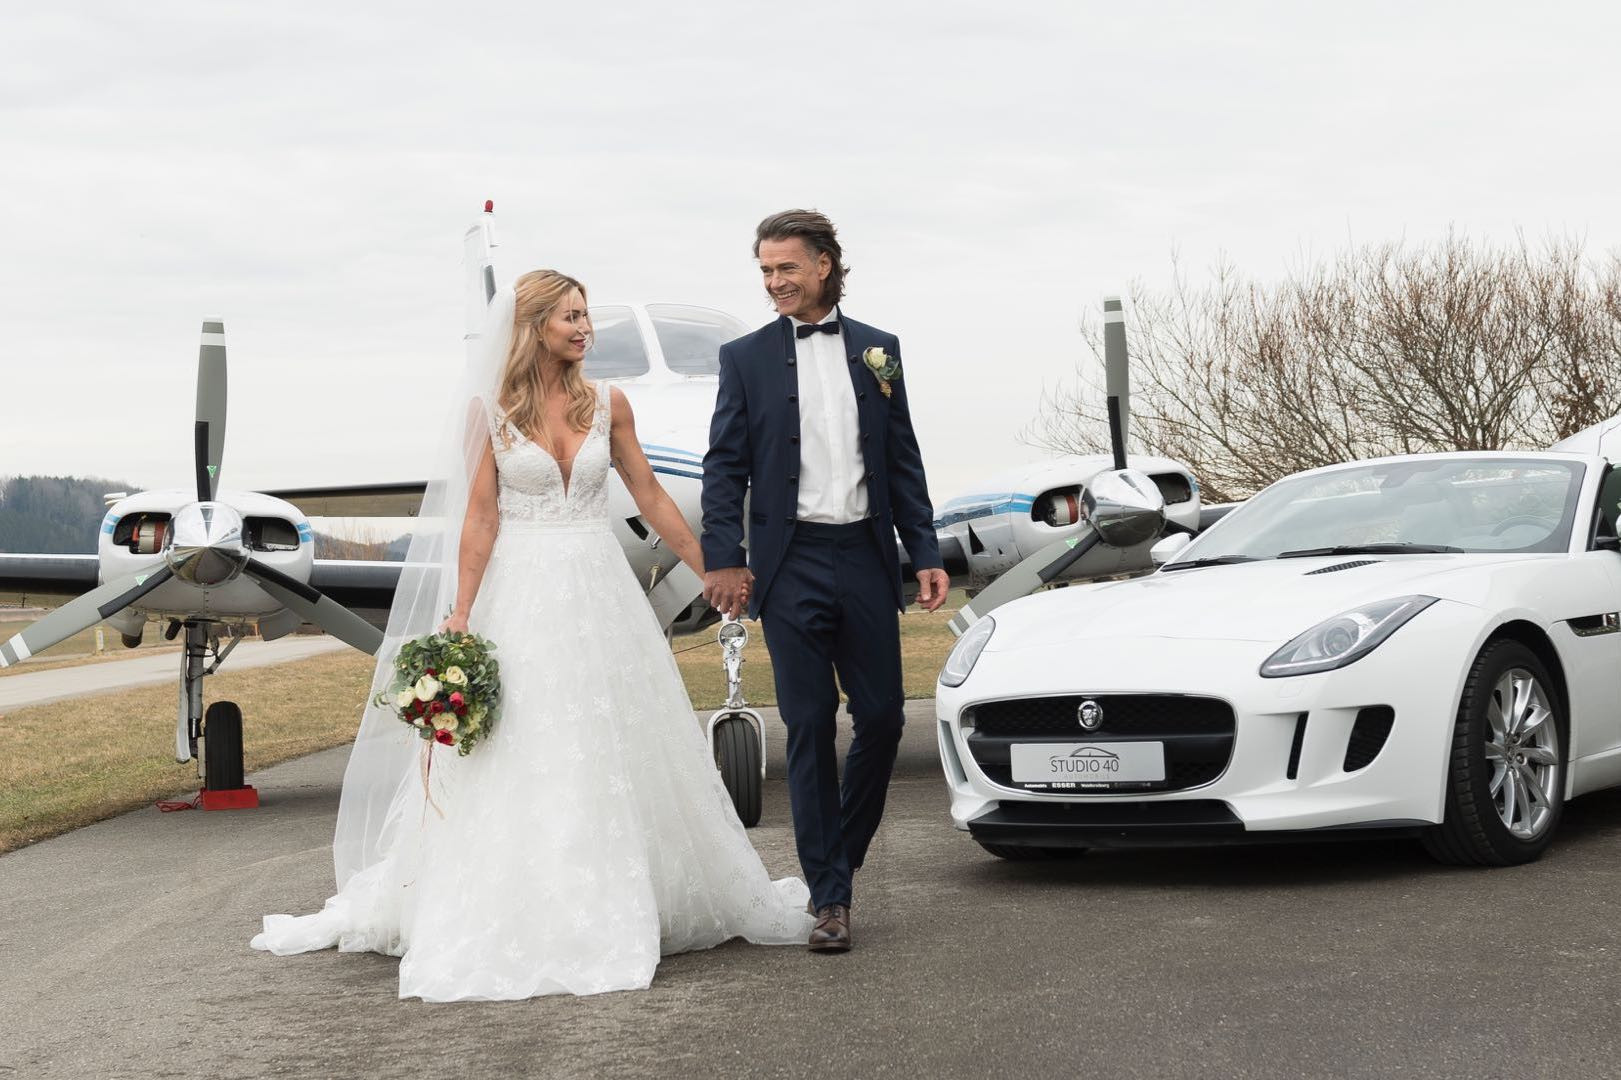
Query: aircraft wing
(359,500)
(46,580)
(364,586)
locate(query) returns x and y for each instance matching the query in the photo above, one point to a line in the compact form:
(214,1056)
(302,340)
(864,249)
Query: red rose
(444,737)
(456,700)
(432,672)
(461,710)
(437,707)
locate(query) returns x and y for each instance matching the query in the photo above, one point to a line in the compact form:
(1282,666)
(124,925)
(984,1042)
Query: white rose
(427,688)
(445,721)
(405,697)
(455,676)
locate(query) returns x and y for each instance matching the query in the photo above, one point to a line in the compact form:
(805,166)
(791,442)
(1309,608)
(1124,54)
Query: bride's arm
(478,539)
(656,507)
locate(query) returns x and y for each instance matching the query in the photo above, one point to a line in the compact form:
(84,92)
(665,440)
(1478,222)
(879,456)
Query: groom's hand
(931,588)
(727,590)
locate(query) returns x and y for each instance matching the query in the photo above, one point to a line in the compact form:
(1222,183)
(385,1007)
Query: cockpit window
(616,348)
(691,337)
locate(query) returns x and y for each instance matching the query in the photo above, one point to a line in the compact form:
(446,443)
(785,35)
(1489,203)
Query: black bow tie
(805,330)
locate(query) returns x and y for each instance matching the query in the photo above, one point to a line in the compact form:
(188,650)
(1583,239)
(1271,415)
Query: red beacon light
(489,206)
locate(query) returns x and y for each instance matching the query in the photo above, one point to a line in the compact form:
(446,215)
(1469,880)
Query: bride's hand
(455,624)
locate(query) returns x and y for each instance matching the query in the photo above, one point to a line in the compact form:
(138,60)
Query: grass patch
(99,756)
(105,755)
(925,640)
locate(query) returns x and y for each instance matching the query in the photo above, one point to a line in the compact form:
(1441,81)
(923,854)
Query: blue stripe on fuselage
(667,471)
(685,454)
(973,507)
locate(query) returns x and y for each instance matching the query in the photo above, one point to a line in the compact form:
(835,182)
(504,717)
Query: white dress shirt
(832,468)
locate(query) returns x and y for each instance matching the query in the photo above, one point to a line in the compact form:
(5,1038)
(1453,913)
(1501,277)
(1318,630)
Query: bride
(590,832)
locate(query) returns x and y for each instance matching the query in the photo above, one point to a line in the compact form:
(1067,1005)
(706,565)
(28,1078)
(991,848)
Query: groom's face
(794,277)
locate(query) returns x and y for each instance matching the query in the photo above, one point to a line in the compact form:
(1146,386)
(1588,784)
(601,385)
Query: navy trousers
(831,611)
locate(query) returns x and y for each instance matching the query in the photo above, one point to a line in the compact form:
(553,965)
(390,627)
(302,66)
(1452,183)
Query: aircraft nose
(206,546)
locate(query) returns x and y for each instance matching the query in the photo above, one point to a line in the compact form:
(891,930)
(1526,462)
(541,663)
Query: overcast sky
(304,171)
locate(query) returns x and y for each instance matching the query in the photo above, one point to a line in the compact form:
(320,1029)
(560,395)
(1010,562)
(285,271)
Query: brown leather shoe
(832,933)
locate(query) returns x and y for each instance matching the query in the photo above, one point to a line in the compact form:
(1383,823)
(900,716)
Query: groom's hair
(818,234)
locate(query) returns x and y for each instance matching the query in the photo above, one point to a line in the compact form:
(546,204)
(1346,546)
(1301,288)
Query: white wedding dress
(590,832)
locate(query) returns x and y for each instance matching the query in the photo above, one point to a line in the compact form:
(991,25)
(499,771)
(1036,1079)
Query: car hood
(1263,601)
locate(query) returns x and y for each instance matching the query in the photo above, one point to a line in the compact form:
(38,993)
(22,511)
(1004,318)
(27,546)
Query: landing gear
(739,754)
(215,740)
(737,732)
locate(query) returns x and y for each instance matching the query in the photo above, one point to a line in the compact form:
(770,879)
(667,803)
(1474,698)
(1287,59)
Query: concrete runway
(82,680)
(123,953)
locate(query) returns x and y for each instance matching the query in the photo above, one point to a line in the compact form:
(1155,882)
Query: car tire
(1505,786)
(1018,853)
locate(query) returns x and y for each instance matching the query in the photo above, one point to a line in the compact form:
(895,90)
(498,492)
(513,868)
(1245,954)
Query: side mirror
(1168,548)
(1607,543)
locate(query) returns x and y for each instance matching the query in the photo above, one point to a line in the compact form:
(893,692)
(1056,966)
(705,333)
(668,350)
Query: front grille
(1197,733)
(1368,736)
(1136,715)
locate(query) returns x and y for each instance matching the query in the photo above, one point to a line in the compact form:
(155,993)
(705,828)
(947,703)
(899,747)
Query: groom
(811,423)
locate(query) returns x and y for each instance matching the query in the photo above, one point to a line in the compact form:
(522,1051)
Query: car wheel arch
(1536,639)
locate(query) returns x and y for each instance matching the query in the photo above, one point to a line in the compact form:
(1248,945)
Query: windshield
(1463,504)
(691,337)
(616,345)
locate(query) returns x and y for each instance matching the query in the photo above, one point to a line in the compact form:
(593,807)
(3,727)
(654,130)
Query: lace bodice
(533,489)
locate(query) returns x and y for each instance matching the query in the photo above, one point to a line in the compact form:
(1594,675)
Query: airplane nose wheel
(740,757)
(222,739)
(737,732)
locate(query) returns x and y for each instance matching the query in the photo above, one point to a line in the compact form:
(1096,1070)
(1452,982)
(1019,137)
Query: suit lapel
(857,340)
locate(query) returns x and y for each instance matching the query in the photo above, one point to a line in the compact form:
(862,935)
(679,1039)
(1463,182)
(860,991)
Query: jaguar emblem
(1090,714)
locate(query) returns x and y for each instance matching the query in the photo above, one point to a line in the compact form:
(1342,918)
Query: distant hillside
(53,514)
(338,547)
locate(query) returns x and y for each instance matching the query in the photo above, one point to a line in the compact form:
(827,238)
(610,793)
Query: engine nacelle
(1023,510)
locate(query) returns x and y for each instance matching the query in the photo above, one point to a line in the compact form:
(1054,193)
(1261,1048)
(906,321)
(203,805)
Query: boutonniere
(883,366)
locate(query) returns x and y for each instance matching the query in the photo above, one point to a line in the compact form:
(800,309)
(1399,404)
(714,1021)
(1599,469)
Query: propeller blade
(1024,578)
(315,607)
(83,612)
(1117,376)
(210,431)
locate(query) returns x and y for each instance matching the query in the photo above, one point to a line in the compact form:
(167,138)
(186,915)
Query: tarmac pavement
(123,953)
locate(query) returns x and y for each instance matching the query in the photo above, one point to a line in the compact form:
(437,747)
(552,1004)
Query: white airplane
(215,563)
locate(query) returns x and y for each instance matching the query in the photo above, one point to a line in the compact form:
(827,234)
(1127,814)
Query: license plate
(1081,765)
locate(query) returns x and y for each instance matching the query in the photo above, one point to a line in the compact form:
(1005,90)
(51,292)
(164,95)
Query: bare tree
(1385,349)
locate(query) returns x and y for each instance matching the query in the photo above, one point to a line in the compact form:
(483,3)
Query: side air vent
(1368,736)
(1293,772)
(1342,566)
(1173,487)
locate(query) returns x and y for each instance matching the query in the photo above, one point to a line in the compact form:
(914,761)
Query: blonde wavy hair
(539,294)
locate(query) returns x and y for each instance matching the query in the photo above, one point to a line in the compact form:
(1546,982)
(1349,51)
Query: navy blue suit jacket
(754,448)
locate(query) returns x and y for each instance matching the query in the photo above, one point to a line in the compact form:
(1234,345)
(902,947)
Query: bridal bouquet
(447,687)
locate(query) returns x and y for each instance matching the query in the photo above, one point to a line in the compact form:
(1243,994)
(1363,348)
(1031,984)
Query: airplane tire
(222,735)
(737,755)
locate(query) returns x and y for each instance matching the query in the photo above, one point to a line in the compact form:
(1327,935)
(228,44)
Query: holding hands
(727,590)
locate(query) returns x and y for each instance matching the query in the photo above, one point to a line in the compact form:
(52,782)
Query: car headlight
(1344,639)
(966,651)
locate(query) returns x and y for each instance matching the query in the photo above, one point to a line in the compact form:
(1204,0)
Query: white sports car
(1425,644)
